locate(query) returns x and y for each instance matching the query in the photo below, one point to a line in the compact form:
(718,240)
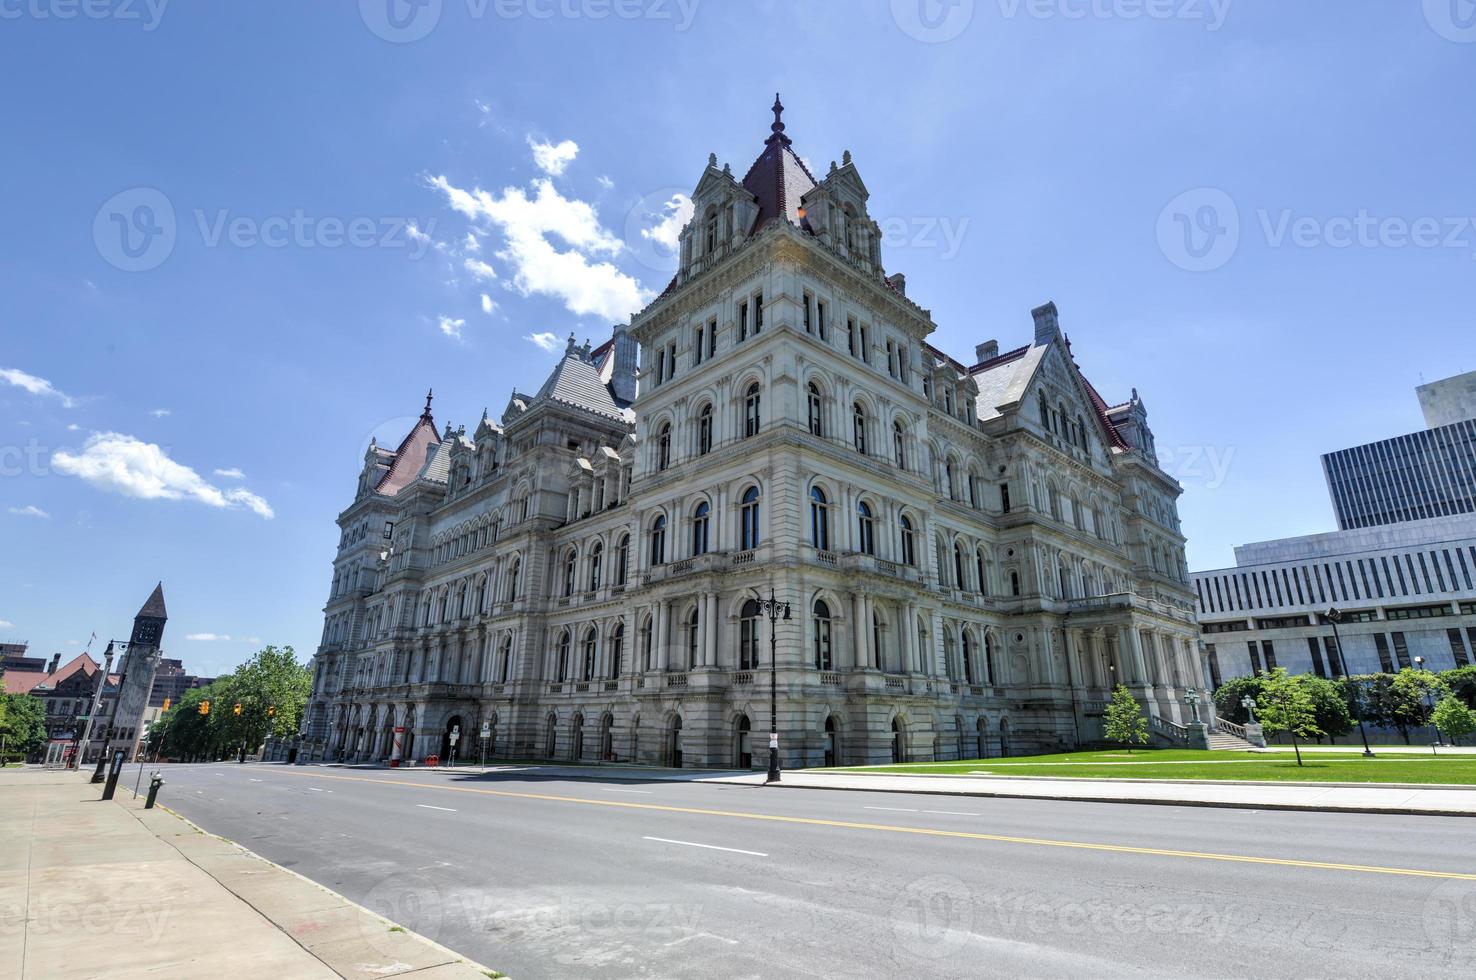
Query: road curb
(1219,804)
(457,959)
(1455,787)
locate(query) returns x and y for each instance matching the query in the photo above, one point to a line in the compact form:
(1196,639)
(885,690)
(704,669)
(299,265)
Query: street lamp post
(1429,705)
(1335,616)
(1249,704)
(1192,696)
(776,611)
(97,694)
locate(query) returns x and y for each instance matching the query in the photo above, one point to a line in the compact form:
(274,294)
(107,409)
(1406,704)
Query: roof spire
(777,129)
(427,413)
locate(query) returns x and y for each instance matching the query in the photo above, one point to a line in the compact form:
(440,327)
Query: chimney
(55,662)
(986,351)
(1047,325)
(623,376)
(898,282)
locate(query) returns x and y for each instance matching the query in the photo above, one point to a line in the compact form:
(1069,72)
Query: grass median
(1277,766)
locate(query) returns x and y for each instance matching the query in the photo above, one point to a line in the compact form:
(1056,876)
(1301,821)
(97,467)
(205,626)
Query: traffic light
(237,709)
(204,707)
(271,711)
(166,703)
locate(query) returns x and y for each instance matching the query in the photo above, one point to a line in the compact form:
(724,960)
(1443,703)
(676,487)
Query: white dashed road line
(710,847)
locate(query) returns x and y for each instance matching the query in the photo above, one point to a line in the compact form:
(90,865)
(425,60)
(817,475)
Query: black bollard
(113,771)
(155,781)
(102,762)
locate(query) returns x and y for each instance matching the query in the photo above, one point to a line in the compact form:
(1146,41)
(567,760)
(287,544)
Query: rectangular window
(1270,652)
(742,321)
(1417,612)
(1214,664)
(671,360)
(1334,655)
(758,313)
(851,335)
(1385,663)
(1316,651)
(865,346)
(1004,498)
(1281,622)
(1255,655)
(891,359)
(1401,650)
(660,366)
(820,319)
(1457,647)
(699,345)
(809,306)
(1234,626)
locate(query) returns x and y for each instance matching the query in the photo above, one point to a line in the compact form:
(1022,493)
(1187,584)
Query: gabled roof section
(578,381)
(411,457)
(1003,380)
(778,178)
(154,608)
(1103,411)
(23,682)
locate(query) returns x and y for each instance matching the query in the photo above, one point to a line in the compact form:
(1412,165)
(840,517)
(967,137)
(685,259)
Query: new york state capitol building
(972,554)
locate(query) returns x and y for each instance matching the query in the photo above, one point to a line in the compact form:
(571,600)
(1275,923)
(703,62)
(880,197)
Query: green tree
(1124,721)
(23,723)
(1413,693)
(1453,718)
(1229,695)
(1286,706)
(1330,704)
(1462,683)
(271,688)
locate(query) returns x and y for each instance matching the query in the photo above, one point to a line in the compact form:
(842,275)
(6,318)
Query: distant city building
(13,658)
(1402,571)
(171,682)
(1413,477)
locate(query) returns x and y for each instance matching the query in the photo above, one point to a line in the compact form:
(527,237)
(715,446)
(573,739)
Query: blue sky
(1259,213)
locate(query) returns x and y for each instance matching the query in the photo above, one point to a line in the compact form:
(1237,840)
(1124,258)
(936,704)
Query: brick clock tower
(137,674)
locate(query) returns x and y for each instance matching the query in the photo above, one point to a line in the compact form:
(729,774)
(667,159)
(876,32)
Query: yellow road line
(895,829)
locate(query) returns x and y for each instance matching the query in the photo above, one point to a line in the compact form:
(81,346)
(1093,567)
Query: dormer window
(712,230)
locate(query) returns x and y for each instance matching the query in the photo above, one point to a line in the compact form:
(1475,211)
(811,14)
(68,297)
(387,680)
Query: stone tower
(136,677)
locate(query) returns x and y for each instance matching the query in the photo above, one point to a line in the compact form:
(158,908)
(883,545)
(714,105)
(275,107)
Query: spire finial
(777,128)
(427,413)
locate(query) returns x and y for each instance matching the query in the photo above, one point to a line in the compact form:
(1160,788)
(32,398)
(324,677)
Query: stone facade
(965,558)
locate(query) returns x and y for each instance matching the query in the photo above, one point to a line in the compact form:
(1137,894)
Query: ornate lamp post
(1249,704)
(775,610)
(1335,616)
(1429,704)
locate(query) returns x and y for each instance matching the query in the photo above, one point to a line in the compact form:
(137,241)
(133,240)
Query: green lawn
(1320,767)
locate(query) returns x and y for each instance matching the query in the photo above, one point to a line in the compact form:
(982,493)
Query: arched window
(617,651)
(663,446)
(968,658)
(711,231)
(647,643)
(658,540)
(570,559)
(983,579)
(1014,583)
(948,659)
(823,658)
(512,579)
(858,428)
(749,520)
(819,519)
(589,655)
(865,529)
(950,487)
(622,559)
(504,660)
(990,676)
(817,424)
(973,490)
(699,528)
(751,411)
(694,632)
(909,546)
(596,556)
(748,636)
(564,643)
(899,445)
(704,430)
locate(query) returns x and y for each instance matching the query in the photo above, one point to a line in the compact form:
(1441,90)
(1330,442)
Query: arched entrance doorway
(635,739)
(607,738)
(492,735)
(897,749)
(830,753)
(551,736)
(578,737)
(452,724)
(982,741)
(674,748)
(744,758)
(1004,736)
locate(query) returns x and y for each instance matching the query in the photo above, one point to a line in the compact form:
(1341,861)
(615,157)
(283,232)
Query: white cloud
(30,510)
(123,464)
(480,269)
(472,243)
(452,328)
(73,427)
(234,473)
(35,385)
(207,637)
(553,158)
(415,234)
(160,413)
(6,624)
(487,305)
(547,341)
(678,211)
(587,288)
(605,182)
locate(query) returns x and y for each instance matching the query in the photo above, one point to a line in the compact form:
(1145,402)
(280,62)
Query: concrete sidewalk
(1340,797)
(91,888)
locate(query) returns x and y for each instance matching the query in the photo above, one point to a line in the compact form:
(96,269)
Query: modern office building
(1401,571)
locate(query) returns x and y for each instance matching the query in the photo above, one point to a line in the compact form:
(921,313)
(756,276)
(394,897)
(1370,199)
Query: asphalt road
(542,875)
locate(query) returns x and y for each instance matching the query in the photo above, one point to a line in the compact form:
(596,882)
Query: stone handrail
(1230,728)
(1169,729)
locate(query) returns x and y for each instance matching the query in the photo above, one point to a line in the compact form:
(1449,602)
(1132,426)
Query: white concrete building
(970,554)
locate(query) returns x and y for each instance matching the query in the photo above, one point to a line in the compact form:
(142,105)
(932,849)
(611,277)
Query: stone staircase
(1225,742)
